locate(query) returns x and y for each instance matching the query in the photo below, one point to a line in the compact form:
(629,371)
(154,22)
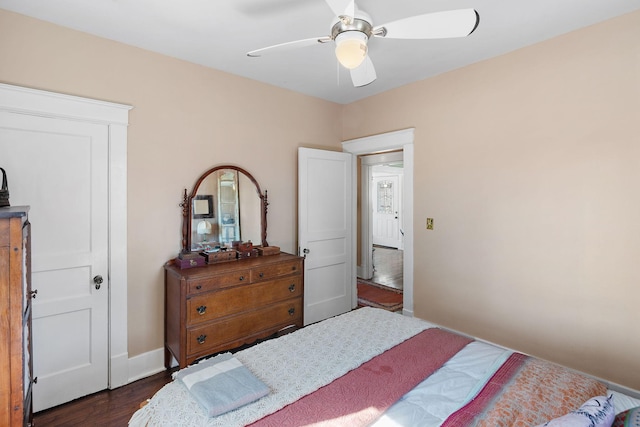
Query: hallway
(387,263)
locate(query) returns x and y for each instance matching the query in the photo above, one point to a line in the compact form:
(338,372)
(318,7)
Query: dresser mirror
(226,205)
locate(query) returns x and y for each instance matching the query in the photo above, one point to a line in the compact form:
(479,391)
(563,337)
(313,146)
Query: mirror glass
(225,206)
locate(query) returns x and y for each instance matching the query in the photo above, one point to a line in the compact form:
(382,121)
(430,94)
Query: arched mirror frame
(187,206)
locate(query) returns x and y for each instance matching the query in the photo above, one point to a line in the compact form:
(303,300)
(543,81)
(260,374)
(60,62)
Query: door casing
(390,141)
(42,103)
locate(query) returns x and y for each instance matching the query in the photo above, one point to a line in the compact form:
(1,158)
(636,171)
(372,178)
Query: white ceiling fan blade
(438,25)
(289,46)
(342,7)
(363,74)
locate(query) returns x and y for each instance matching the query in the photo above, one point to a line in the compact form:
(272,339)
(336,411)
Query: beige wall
(186,119)
(529,164)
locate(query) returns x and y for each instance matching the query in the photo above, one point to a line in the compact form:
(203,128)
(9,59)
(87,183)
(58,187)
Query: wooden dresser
(15,317)
(222,306)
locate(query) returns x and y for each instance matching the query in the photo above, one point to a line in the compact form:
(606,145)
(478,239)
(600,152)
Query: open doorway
(381,285)
(384,205)
(398,143)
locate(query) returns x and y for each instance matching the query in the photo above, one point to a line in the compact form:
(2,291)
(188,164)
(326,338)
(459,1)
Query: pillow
(221,384)
(628,418)
(595,412)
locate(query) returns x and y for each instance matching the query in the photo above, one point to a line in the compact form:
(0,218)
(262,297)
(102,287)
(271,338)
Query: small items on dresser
(220,255)
(268,250)
(240,251)
(246,250)
(190,260)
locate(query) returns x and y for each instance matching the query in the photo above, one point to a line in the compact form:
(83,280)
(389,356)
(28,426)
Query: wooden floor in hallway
(387,264)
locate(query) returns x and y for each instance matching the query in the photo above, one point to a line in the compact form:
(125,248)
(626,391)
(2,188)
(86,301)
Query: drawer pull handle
(201,309)
(201,339)
(292,311)
(293,268)
(261,274)
(292,287)
(241,278)
(198,286)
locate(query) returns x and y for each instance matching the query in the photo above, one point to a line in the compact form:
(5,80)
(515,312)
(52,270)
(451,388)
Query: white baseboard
(146,364)
(623,389)
(406,312)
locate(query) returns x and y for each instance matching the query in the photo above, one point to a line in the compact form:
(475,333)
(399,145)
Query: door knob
(98,281)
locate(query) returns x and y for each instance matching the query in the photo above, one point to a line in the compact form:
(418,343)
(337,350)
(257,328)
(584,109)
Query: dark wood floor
(387,264)
(105,408)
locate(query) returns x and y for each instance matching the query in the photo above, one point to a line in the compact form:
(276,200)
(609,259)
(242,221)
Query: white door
(60,168)
(386,211)
(325,216)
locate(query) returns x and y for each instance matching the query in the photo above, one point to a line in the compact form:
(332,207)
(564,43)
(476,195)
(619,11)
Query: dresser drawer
(213,336)
(213,305)
(238,277)
(266,272)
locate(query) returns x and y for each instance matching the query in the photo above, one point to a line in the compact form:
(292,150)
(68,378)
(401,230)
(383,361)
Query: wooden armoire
(16,363)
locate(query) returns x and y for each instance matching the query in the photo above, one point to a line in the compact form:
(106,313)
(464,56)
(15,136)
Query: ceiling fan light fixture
(351,48)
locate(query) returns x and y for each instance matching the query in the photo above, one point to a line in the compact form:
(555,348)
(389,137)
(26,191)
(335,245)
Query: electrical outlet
(429,223)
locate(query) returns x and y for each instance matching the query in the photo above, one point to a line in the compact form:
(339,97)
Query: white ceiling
(218,34)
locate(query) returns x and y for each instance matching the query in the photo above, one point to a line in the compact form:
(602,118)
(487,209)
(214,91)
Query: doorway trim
(21,100)
(390,141)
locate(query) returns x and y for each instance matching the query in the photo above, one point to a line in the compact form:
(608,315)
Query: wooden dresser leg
(167,358)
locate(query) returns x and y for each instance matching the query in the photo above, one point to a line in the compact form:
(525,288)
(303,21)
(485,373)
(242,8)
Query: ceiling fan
(353,29)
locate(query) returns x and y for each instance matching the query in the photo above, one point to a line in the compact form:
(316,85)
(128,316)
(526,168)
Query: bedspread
(331,362)
(293,366)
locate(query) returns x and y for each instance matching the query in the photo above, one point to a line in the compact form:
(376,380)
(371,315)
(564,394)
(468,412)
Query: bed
(374,367)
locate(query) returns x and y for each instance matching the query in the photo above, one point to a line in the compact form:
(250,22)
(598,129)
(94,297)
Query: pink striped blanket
(363,394)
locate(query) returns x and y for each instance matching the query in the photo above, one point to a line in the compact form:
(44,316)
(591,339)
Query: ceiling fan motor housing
(354,24)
